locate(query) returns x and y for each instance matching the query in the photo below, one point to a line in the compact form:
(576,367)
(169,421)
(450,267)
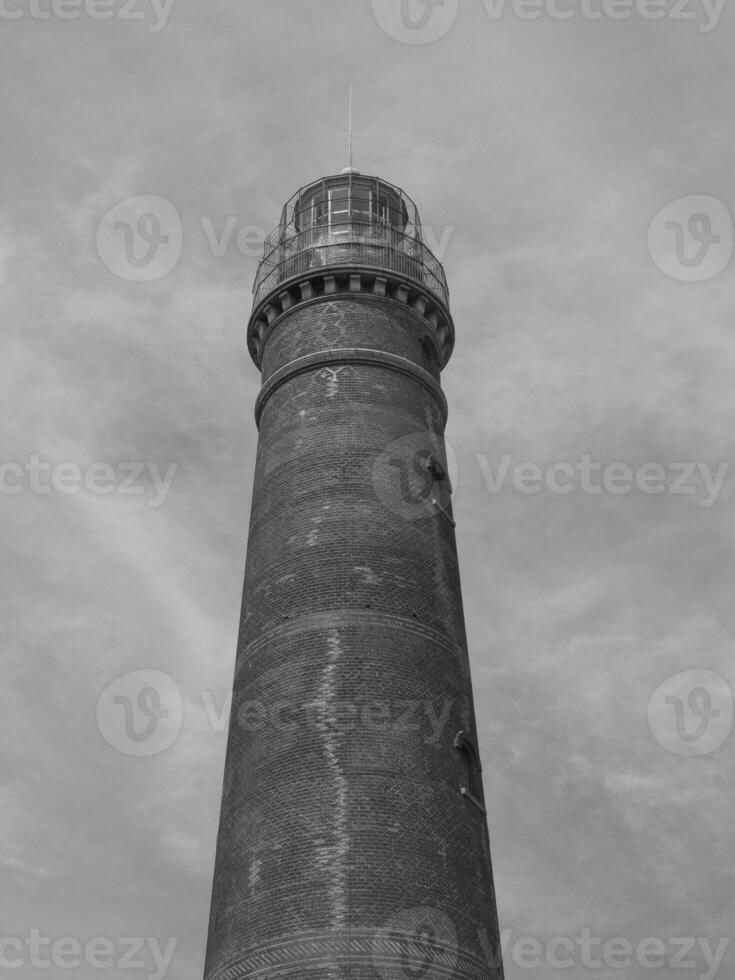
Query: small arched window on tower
(472,770)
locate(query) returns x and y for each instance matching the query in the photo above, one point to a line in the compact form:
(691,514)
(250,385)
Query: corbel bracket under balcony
(332,282)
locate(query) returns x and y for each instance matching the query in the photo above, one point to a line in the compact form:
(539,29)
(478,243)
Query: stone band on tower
(353,841)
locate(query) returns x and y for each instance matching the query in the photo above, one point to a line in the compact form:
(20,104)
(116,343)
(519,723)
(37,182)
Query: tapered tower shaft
(353,842)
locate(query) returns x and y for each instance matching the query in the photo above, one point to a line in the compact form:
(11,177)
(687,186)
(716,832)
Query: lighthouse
(353,840)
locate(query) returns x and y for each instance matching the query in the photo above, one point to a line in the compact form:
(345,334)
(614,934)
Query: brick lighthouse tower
(353,842)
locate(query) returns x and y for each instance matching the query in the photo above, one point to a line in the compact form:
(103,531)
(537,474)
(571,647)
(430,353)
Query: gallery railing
(350,241)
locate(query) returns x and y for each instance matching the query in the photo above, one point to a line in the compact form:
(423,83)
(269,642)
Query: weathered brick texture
(347,848)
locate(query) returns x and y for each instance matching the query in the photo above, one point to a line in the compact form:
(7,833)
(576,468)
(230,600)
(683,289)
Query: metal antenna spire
(349,169)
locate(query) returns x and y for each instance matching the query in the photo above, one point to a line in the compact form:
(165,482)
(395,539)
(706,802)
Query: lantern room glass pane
(310,212)
(362,203)
(339,209)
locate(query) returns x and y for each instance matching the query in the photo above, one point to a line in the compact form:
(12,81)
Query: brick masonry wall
(346,847)
(339,322)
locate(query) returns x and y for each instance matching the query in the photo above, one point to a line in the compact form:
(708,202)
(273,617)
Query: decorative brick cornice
(350,355)
(388,955)
(350,281)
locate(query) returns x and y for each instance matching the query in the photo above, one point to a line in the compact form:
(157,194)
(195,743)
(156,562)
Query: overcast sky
(540,152)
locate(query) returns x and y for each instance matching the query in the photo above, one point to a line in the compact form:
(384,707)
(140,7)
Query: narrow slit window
(429,357)
(471,770)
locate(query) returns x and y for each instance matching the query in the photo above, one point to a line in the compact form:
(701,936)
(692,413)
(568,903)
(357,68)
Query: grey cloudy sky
(540,152)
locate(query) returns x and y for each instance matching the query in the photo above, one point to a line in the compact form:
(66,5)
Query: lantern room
(348,220)
(350,202)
